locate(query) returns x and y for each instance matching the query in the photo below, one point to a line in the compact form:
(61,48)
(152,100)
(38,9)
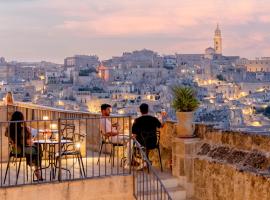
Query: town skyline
(37,30)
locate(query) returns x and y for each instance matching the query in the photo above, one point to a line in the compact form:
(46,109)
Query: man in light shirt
(110,131)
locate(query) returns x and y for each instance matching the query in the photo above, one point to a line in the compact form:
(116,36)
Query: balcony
(86,167)
(216,164)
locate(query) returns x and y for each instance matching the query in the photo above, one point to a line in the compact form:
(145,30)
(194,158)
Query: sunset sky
(33,30)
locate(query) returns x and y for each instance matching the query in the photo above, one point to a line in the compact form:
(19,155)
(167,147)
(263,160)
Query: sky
(33,30)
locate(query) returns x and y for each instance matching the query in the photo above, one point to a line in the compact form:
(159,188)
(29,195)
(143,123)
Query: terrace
(59,132)
(216,164)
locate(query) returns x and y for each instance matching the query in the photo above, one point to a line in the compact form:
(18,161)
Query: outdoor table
(51,151)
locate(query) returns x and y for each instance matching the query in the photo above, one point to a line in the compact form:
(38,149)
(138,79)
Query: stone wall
(223,165)
(167,134)
(234,139)
(221,181)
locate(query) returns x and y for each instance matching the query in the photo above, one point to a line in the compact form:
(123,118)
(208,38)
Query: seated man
(110,131)
(145,127)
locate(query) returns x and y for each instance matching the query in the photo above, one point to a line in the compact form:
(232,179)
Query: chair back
(103,138)
(15,151)
(148,139)
(68,132)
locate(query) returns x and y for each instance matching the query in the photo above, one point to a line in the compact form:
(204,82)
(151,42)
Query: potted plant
(185,103)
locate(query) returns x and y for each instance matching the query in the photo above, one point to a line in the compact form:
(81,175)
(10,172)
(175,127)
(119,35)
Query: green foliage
(184,99)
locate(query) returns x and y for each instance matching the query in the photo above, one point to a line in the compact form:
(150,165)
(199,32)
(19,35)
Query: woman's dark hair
(17,128)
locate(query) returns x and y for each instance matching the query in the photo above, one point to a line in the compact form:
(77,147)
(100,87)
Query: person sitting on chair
(110,131)
(145,129)
(20,139)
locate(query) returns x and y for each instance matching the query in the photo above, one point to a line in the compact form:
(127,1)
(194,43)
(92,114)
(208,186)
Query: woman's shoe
(39,180)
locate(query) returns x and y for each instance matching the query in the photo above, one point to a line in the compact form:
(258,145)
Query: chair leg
(56,163)
(160,161)
(80,161)
(18,172)
(147,155)
(26,172)
(8,165)
(82,164)
(100,150)
(113,155)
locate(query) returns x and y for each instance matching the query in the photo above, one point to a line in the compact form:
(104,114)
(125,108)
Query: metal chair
(148,137)
(13,158)
(106,140)
(68,133)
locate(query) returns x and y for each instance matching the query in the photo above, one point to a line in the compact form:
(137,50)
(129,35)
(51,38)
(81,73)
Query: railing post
(130,143)
(59,150)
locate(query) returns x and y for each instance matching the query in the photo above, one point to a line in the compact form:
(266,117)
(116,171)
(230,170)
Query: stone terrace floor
(92,169)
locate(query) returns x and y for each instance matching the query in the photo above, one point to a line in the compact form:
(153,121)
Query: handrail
(47,108)
(157,191)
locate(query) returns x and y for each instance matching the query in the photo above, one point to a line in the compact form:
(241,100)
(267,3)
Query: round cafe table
(49,145)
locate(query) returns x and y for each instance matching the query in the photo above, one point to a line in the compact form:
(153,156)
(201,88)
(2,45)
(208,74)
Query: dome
(209,51)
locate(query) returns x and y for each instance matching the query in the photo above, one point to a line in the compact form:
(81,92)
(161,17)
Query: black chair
(106,140)
(68,133)
(13,157)
(148,138)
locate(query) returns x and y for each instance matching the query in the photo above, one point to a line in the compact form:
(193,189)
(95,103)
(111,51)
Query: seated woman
(21,141)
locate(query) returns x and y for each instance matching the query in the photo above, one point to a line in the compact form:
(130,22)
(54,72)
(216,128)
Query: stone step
(171,183)
(177,193)
(168,182)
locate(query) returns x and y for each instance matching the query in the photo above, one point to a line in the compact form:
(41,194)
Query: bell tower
(218,41)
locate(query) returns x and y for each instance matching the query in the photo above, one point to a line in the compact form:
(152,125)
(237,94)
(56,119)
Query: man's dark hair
(105,106)
(144,108)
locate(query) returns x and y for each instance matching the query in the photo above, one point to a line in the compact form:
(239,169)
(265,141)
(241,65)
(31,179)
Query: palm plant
(184,99)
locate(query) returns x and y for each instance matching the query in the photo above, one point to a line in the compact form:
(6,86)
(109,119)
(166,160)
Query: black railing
(34,112)
(146,182)
(55,150)
(39,151)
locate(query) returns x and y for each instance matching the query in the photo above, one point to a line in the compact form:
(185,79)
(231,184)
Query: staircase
(172,185)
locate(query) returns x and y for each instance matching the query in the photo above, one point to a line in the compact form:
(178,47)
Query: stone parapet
(223,165)
(219,181)
(234,139)
(184,152)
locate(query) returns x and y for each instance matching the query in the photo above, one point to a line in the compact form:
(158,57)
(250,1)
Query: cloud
(167,26)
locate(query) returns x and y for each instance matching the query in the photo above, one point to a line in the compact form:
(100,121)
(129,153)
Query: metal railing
(146,182)
(37,112)
(72,146)
(39,151)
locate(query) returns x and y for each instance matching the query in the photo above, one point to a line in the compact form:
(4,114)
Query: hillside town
(234,92)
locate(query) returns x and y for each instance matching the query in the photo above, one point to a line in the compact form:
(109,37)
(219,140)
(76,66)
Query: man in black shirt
(144,128)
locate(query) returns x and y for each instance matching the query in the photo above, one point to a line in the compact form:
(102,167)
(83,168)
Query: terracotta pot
(185,127)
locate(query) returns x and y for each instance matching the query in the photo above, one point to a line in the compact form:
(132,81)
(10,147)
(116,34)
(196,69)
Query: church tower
(218,41)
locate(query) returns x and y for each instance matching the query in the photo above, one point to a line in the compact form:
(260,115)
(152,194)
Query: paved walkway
(91,166)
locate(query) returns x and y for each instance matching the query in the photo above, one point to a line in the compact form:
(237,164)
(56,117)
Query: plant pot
(185,127)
